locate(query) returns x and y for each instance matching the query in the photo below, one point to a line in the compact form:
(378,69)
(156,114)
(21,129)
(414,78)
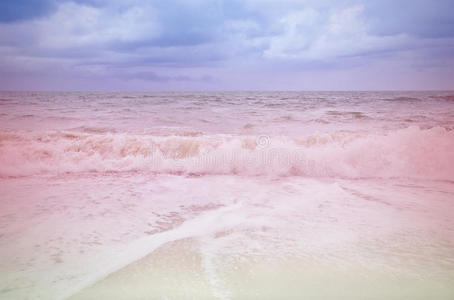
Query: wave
(447,98)
(410,153)
(349,114)
(403,99)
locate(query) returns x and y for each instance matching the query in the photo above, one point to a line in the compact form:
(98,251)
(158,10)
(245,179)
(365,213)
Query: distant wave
(403,99)
(350,114)
(410,152)
(447,97)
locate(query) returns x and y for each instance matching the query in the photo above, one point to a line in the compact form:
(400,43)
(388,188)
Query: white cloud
(76,25)
(299,29)
(309,36)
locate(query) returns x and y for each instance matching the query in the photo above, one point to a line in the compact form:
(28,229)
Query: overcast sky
(226,45)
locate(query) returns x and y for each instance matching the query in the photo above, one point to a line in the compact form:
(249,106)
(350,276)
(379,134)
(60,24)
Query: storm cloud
(290,44)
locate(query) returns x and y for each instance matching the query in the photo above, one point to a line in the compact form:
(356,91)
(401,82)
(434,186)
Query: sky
(148,45)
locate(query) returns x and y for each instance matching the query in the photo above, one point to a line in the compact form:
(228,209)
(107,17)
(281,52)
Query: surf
(412,152)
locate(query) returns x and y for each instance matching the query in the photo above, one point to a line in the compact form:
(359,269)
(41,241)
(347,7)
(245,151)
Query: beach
(227,195)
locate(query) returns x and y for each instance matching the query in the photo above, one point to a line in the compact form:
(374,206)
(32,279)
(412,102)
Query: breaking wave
(410,153)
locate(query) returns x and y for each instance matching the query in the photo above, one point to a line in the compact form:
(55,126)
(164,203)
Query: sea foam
(410,153)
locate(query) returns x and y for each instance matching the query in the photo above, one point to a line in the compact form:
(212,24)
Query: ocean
(227,195)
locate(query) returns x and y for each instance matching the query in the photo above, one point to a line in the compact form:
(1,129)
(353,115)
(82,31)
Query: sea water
(227,195)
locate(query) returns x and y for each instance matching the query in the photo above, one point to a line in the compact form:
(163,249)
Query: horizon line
(219,91)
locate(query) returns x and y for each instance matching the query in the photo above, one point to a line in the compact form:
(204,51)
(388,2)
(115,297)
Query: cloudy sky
(226,45)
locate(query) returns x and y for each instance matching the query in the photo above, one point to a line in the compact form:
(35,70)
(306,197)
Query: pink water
(277,194)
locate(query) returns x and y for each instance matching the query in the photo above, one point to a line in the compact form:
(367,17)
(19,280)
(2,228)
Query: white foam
(114,259)
(410,152)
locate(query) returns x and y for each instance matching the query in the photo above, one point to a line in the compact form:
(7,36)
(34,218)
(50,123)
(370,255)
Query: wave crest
(410,152)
